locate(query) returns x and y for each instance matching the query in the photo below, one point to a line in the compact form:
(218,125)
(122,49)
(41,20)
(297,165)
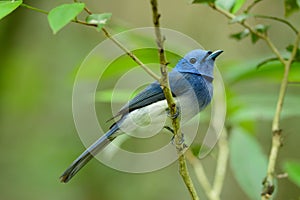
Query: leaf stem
(164,81)
(34,9)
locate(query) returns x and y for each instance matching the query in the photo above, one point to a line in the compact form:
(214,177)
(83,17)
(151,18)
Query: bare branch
(277,132)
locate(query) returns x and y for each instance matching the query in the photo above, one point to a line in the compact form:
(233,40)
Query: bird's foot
(180,145)
(173,116)
(169,129)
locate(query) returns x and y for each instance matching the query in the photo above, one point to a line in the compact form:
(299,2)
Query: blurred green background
(38,139)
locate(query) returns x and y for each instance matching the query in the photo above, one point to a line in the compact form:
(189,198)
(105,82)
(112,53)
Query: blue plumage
(191,85)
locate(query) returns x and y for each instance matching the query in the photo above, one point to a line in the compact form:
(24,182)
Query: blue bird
(191,86)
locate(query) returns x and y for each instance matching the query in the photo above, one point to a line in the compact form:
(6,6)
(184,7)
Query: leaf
(238,4)
(99,19)
(7,7)
(203,1)
(230,5)
(226,4)
(297,56)
(61,15)
(248,162)
(293,170)
(240,18)
(261,29)
(291,6)
(240,35)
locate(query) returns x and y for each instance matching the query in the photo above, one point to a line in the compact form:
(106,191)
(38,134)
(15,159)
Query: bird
(191,86)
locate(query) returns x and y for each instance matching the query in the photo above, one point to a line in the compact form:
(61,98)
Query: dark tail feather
(87,155)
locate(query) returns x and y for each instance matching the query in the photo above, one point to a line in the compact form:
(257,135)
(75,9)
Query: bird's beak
(214,55)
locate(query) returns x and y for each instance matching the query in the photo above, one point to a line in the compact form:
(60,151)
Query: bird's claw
(180,143)
(173,116)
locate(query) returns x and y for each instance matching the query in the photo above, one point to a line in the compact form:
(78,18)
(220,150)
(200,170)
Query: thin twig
(252,30)
(252,5)
(221,163)
(130,54)
(279,20)
(178,136)
(213,192)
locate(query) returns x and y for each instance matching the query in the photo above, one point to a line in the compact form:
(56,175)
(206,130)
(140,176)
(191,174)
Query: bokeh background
(38,138)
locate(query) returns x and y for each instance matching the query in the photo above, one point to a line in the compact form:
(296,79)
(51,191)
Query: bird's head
(198,62)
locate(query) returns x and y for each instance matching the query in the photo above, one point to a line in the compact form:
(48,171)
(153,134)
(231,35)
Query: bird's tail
(88,154)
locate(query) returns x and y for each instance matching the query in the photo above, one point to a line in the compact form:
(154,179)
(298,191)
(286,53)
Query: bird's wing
(149,95)
(153,93)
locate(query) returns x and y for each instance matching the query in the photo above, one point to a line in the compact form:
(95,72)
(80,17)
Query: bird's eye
(209,52)
(193,60)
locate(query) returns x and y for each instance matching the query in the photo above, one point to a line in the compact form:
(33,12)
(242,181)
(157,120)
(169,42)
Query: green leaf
(7,7)
(248,162)
(240,18)
(261,29)
(291,6)
(240,35)
(238,4)
(225,4)
(203,1)
(293,170)
(61,15)
(230,5)
(254,38)
(297,56)
(99,19)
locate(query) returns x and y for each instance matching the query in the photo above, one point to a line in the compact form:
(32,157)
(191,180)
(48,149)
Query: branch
(164,82)
(212,192)
(200,173)
(252,5)
(108,35)
(268,182)
(247,26)
(277,132)
(130,54)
